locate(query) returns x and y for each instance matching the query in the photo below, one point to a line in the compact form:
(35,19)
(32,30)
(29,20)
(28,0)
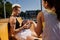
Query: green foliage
(0,0)
(8,9)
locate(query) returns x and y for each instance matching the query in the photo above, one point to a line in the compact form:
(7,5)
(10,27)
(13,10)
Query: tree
(8,9)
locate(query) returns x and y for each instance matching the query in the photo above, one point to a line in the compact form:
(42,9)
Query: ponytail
(57,7)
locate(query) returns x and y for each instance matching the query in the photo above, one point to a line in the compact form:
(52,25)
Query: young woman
(17,32)
(14,25)
(50,18)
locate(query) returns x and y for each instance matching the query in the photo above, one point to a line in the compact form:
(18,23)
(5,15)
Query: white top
(51,30)
(24,33)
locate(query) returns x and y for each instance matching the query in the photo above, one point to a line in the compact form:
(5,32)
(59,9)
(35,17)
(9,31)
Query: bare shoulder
(12,18)
(40,14)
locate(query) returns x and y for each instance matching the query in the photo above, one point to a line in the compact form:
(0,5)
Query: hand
(27,25)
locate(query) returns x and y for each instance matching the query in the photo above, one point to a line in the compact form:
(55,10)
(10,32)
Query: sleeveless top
(51,30)
(17,25)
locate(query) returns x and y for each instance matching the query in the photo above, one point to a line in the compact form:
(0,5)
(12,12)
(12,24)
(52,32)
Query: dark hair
(54,3)
(50,3)
(57,7)
(24,21)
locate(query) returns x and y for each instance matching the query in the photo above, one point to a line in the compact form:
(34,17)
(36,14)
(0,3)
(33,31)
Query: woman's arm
(39,28)
(12,25)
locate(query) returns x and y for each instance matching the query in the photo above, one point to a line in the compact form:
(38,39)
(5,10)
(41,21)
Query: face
(45,4)
(17,11)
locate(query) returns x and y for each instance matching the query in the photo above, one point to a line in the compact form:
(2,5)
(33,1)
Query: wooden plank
(4,20)
(3,31)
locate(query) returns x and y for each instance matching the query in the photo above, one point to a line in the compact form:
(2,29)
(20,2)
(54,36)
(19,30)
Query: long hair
(54,3)
(57,7)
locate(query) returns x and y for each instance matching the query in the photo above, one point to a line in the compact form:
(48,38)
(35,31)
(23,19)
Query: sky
(27,4)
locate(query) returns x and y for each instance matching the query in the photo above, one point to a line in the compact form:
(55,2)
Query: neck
(52,10)
(13,13)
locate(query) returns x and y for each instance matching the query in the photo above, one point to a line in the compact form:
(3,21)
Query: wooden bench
(4,28)
(3,31)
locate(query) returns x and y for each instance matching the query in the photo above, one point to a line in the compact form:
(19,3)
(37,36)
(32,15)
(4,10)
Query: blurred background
(29,8)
